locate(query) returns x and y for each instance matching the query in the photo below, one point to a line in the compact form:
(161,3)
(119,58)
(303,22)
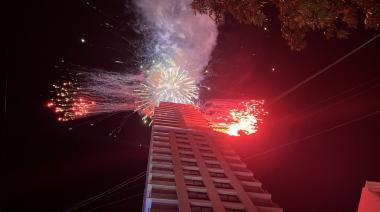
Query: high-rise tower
(193,169)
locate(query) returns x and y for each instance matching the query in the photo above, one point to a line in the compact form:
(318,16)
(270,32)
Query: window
(197,195)
(202,144)
(201,209)
(183,143)
(161,145)
(194,182)
(234,210)
(186,155)
(212,165)
(216,174)
(188,163)
(162,207)
(180,133)
(161,152)
(229,198)
(222,185)
(198,137)
(209,158)
(162,160)
(161,131)
(200,140)
(205,150)
(160,178)
(180,137)
(191,172)
(161,139)
(162,169)
(185,149)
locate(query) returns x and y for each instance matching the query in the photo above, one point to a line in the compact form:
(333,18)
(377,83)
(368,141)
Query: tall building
(370,197)
(193,169)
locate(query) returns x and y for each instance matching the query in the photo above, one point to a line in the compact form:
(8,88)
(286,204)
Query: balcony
(163,194)
(263,202)
(162,207)
(254,189)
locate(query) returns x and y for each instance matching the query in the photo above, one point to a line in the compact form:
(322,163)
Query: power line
(347,98)
(285,93)
(114,202)
(107,192)
(314,135)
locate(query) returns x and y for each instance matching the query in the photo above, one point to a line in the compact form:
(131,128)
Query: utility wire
(115,202)
(282,95)
(107,192)
(314,135)
(347,98)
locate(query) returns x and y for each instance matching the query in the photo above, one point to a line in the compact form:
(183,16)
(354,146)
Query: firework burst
(236,119)
(165,82)
(90,92)
(67,104)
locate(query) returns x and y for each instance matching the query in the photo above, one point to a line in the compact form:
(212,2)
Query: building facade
(370,197)
(193,169)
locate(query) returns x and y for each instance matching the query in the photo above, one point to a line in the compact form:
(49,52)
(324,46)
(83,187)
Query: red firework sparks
(238,118)
(66,104)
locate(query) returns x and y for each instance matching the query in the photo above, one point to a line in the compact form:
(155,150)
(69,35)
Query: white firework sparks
(166,82)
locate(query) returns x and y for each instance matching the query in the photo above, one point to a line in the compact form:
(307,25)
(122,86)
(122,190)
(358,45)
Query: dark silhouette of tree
(334,18)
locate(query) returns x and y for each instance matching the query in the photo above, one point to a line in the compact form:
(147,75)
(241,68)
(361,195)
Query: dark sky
(49,168)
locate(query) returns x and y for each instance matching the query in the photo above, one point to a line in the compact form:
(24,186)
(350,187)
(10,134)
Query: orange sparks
(67,106)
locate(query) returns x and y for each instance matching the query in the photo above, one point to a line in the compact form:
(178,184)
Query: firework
(91,92)
(172,46)
(165,82)
(236,119)
(67,104)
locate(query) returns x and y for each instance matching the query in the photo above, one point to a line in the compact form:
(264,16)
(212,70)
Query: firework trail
(86,92)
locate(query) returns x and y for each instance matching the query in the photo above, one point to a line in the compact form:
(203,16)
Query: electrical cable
(107,192)
(114,202)
(313,135)
(285,93)
(347,98)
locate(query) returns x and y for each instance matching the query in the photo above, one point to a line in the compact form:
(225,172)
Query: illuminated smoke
(178,34)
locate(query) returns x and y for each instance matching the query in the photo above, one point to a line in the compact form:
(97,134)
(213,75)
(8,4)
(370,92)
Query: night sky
(47,167)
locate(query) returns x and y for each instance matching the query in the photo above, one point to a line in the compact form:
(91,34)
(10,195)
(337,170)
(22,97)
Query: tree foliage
(335,18)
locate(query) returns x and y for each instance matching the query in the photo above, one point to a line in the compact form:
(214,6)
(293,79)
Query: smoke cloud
(179,34)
